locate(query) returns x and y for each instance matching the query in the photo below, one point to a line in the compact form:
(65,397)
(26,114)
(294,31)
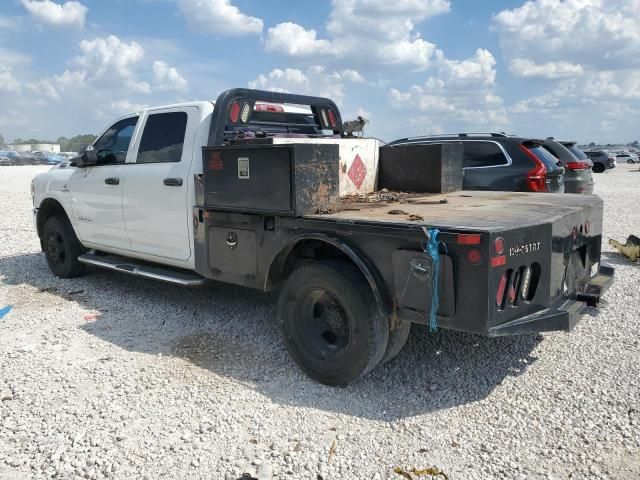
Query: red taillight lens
(235,112)
(333,120)
(577,165)
(501,290)
(498,246)
(268,107)
(536,178)
(469,239)
(474,256)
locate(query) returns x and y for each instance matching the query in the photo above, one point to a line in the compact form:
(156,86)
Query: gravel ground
(110,376)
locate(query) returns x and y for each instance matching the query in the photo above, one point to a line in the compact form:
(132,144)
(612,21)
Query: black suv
(495,161)
(601,160)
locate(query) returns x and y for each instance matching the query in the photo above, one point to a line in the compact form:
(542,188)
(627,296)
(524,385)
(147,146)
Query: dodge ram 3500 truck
(203,191)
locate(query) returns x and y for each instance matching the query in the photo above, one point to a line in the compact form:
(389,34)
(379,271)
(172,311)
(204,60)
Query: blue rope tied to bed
(431,248)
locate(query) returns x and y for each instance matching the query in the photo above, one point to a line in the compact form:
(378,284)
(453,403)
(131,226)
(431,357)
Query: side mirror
(87,159)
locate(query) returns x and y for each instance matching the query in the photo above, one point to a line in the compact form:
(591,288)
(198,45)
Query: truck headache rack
(234,110)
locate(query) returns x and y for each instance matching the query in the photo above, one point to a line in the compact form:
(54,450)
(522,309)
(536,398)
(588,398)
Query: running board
(127,265)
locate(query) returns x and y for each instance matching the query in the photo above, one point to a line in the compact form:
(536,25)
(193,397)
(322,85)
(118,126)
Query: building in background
(35,147)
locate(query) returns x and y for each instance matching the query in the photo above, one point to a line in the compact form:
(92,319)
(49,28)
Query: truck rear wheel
(62,248)
(330,323)
(397,339)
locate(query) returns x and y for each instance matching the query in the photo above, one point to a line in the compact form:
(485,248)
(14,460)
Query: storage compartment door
(233,251)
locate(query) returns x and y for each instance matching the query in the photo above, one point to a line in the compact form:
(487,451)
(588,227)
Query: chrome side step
(127,265)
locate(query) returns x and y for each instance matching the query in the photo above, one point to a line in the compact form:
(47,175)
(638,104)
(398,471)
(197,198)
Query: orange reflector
(498,261)
(469,239)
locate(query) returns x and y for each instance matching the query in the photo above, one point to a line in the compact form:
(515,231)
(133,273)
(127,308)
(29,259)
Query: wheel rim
(55,248)
(324,327)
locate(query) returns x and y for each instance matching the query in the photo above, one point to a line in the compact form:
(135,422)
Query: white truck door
(155,195)
(96,192)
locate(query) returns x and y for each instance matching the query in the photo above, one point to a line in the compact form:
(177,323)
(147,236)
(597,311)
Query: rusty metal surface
(461,210)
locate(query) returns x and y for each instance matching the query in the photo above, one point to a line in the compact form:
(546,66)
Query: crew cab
(203,191)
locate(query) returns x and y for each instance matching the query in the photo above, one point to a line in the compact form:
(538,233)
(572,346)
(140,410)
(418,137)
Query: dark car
(601,160)
(495,161)
(578,177)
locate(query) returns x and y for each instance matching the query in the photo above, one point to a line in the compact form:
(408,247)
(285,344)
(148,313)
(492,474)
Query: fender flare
(369,271)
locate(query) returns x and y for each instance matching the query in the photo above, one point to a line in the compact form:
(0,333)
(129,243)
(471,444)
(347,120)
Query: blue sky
(568,68)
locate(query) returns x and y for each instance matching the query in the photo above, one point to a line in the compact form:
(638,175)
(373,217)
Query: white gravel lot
(195,384)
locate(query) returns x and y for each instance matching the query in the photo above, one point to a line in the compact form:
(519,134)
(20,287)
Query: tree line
(73,144)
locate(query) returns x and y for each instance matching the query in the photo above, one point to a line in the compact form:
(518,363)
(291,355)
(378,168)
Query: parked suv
(495,161)
(601,160)
(578,177)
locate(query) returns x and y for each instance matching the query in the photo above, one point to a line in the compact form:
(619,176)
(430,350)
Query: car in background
(627,157)
(53,159)
(495,161)
(601,159)
(8,157)
(578,176)
(38,156)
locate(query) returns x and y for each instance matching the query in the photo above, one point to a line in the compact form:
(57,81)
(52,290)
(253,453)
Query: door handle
(173,182)
(112,181)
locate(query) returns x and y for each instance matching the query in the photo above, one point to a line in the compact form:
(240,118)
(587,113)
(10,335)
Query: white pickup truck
(201,191)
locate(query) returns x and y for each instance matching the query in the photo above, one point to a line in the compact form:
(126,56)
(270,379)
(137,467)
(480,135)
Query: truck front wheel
(330,323)
(62,248)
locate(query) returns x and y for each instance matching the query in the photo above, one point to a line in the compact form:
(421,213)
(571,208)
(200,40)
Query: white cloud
(352,75)
(479,69)
(219,17)
(364,32)
(63,15)
(110,55)
(315,80)
(596,34)
(167,77)
(120,107)
(523,67)
(8,82)
(293,40)
(458,97)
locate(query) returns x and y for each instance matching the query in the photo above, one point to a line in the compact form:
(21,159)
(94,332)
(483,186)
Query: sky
(563,68)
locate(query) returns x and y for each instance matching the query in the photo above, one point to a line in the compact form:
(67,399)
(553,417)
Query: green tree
(592,144)
(2,142)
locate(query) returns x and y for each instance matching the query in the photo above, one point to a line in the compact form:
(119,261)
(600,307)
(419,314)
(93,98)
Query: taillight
(325,120)
(577,165)
(501,290)
(235,112)
(474,256)
(537,177)
(268,107)
(498,246)
(333,120)
(244,114)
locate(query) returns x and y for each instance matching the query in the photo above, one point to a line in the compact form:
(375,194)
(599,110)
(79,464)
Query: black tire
(598,167)
(397,339)
(630,161)
(330,322)
(62,248)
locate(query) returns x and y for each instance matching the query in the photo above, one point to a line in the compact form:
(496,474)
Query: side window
(483,154)
(111,148)
(162,138)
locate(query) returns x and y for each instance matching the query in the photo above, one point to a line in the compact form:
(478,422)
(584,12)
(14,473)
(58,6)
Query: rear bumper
(564,313)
